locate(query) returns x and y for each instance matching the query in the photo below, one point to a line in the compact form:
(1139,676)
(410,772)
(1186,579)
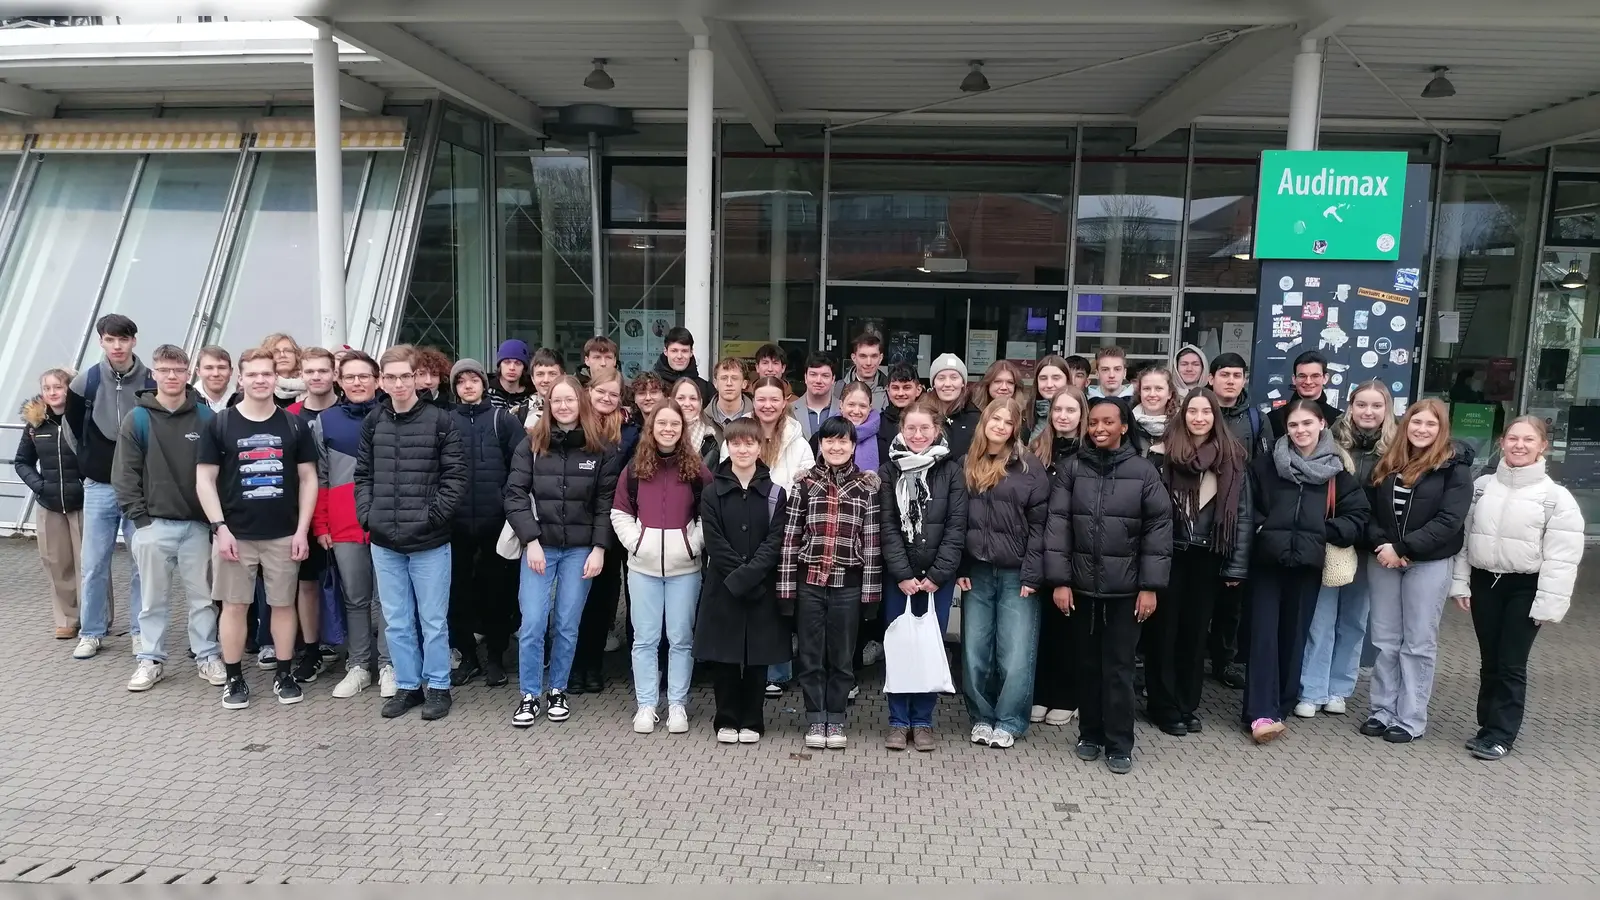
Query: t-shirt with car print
(258,477)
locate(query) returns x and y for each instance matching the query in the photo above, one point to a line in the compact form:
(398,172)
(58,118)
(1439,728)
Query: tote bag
(332,604)
(1338,563)
(914,660)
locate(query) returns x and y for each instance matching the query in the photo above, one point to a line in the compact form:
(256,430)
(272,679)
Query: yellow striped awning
(137,135)
(387,133)
(12,143)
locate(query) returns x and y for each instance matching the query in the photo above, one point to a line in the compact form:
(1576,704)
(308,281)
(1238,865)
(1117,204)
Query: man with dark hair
(317,371)
(547,369)
(904,389)
(1310,377)
(818,404)
(1078,372)
(677,361)
(214,378)
(772,362)
(1111,371)
(511,387)
(433,367)
(97,402)
(154,476)
(599,352)
(866,366)
(1229,375)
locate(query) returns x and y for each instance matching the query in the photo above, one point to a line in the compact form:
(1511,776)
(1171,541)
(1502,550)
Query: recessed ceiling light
(975,82)
(598,79)
(1440,87)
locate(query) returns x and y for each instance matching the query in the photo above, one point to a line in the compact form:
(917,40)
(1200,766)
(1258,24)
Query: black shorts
(315,563)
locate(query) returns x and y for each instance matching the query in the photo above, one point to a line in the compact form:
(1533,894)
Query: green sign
(1330,204)
(1473,424)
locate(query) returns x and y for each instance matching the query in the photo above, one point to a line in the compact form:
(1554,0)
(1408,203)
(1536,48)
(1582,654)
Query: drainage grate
(66,871)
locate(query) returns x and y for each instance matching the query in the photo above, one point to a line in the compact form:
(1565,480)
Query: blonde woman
(47,462)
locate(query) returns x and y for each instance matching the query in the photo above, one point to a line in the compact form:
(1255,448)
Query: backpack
(631,485)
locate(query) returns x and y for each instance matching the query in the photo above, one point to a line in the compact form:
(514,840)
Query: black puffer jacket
(1197,534)
(958,430)
(1061,450)
(1253,429)
(1110,528)
(1292,525)
(46,461)
(1005,525)
(936,553)
(411,474)
(562,497)
(489,438)
(1434,524)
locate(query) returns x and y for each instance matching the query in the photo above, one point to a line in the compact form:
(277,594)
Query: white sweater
(794,455)
(1521,521)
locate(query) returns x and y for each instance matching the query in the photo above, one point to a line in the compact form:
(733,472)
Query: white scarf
(1153,424)
(911,493)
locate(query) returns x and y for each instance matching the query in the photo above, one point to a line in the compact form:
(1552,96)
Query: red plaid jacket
(832,527)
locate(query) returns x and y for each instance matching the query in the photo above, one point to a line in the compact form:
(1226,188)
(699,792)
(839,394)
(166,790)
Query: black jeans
(1107,634)
(1228,638)
(1054,678)
(826,623)
(1500,607)
(740,691)
(599,612)
(483,594)
(1175,636)
(1281,603)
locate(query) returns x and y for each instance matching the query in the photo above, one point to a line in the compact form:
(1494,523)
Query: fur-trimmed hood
(35,411)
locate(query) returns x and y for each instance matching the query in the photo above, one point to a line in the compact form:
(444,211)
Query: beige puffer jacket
(1523,522)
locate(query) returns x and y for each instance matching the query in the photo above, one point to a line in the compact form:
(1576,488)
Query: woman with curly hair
(286,364)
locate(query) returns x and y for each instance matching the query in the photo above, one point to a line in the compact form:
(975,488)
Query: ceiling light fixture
(975,82)
(1440,87)
(943,254)
(1161,264)
(598,79)
(641,242)
(1574,280)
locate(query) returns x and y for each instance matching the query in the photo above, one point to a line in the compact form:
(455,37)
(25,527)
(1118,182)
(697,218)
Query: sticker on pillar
(1398,323)
(1376,294)
(1336,379)
(1400,405)
(1319,246)
(1407,279)
(1361,342)
(1398,387)
(1285,327)
(1275,378)
(1313,281)
(1382,345)
(1359,323)
(1277,309)
(1341,293)
(1369,359)
(1293,298)
(1285,283)
(1379,308)
(1399,356)
(1311,310)
(1385,243)
(1333,337)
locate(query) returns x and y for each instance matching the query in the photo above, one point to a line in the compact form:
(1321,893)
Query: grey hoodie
(1205,366)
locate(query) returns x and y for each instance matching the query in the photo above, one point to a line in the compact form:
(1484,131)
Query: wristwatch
(215,526)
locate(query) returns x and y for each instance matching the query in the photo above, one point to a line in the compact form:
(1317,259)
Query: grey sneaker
(817,737)
(835,737)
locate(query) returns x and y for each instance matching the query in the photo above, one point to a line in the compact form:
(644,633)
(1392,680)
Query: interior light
(1574,280)
(975,82)
(598,79)
(1440,87)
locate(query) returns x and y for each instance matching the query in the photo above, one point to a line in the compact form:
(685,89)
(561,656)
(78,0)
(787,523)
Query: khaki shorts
(235,582)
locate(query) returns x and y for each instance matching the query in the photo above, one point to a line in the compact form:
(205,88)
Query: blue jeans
(102,517)
(163,548)
(999,647)
(1333,646)
(563,570)
(915,710)
(652,601)
(414,589)
(780,673)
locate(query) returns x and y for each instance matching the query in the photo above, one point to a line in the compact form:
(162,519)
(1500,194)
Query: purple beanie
(512,349)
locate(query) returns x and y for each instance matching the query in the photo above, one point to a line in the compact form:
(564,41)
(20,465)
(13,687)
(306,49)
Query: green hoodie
(154,479)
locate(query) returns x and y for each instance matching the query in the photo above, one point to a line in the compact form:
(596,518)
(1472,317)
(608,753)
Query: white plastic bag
(914,661)
(508,547)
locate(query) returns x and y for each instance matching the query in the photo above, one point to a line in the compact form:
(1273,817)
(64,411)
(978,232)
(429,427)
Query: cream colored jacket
(1523,522)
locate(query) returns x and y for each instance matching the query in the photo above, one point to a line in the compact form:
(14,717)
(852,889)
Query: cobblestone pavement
(103,785)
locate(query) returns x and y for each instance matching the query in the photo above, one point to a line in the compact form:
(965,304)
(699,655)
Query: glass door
(919,323)
(1564,380)
(1141,324)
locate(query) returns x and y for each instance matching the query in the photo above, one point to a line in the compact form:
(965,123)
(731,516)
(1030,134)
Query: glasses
(170,372)
(1315,376)
(606,395)
(356,379)
(399,379)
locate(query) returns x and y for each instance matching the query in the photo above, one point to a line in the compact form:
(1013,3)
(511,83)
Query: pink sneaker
(1266,730)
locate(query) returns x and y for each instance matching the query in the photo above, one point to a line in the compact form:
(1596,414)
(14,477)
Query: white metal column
(1305,96)
(698,216)
(778,281)
(330,189)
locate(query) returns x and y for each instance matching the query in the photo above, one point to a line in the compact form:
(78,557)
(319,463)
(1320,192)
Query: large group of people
(1110,540)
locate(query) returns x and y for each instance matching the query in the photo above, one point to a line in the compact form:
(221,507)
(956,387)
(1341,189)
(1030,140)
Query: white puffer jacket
(794,454)
(1523,522)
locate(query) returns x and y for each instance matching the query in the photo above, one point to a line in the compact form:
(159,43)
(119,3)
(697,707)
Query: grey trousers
(1406,606)
(363,614)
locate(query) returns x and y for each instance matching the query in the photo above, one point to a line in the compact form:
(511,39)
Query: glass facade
(546,250)
(447,304)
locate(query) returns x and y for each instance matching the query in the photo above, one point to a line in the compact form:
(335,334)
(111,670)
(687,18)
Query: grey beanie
(468,365)
(947,361)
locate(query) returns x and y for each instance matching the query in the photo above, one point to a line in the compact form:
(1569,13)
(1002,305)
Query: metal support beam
(21,101)
(359,96)
(1572,121)
(325,87)
(1305,96)
(1193,94)
(394,44)
(737,69)
(698,214)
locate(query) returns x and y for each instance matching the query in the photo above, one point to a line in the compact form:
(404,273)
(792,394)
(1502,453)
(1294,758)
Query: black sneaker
(287,689)
(1233,675)
(1373,728)
(1489,750)
(494,674)
(1088,751)
(1193,723)
(308,666)
(1176,727)
(1394,734)
(435,704)
(1119,765)
(557,710)
(401,703)
(468,670)
(235,694)
(527,712)
(577,683)
(328,652)
(596,682)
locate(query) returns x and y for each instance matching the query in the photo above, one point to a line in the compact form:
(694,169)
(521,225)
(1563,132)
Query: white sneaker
(267,658)
(1060,717)
(982,734)
(355,681)
(387,686)
(1037,713)
(455,658)
(1305,710)
(87,648)
(677,719)
(727,735)
(746,736)
(872,653)
(145,676)
(212,671)
(1001,738)
(644,721)
(1334,707)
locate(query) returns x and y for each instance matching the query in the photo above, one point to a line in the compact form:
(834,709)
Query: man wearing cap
(511,387)
(483,585)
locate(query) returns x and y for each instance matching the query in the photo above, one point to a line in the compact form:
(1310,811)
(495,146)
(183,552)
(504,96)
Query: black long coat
(740,620)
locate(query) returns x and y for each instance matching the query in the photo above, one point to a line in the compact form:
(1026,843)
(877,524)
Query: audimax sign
(1330,204)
